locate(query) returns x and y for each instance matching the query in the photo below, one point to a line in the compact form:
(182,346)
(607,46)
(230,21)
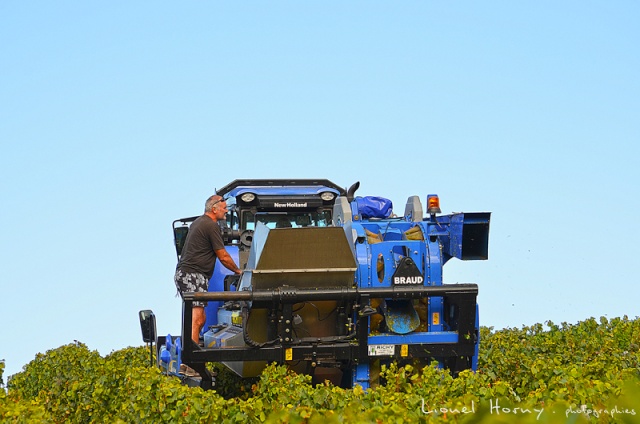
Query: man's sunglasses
(224,199)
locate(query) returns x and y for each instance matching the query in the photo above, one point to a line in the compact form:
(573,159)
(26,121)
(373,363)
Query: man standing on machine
(201,248)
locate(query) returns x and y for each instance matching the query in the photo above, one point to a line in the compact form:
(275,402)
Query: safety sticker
(382,350)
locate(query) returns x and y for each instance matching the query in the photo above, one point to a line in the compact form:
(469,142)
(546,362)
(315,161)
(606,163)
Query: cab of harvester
(334,285)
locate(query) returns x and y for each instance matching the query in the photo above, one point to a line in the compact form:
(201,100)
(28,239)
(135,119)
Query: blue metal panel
(363,274)
(217,284)
(283,191)
(455,235)
(476,224)
(434,263)
(382,250)
(362,254)
(435,307)
(361,376)
(391,252)
(474,360)
(434,272)
(415,338)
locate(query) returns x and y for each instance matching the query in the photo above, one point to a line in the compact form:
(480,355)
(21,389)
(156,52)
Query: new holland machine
(333,285)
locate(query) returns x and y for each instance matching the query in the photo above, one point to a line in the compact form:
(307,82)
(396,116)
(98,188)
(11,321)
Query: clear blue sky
(117,118)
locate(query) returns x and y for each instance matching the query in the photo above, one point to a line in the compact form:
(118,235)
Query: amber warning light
(433,204)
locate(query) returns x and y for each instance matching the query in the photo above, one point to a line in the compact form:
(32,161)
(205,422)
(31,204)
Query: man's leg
(197,322)
(193,282)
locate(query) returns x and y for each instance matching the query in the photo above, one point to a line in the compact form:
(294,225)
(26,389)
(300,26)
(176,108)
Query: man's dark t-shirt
(198,252)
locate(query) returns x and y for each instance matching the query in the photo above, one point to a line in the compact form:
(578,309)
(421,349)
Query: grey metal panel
(413,209)
(305,257)
(259,238)
(341,211)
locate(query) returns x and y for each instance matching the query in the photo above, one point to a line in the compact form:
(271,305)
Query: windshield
(286,220)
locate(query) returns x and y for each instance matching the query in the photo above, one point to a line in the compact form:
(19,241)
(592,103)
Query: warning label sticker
(382,350)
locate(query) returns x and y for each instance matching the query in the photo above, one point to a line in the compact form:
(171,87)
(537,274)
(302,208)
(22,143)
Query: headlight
(248,197)
(327,196)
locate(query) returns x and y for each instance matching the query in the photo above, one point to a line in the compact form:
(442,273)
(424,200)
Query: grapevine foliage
(586,372)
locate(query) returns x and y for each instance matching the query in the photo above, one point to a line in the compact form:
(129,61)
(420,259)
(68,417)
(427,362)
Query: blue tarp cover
(374,207)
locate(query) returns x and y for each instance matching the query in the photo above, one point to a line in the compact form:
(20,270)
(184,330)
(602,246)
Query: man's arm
(227,261)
